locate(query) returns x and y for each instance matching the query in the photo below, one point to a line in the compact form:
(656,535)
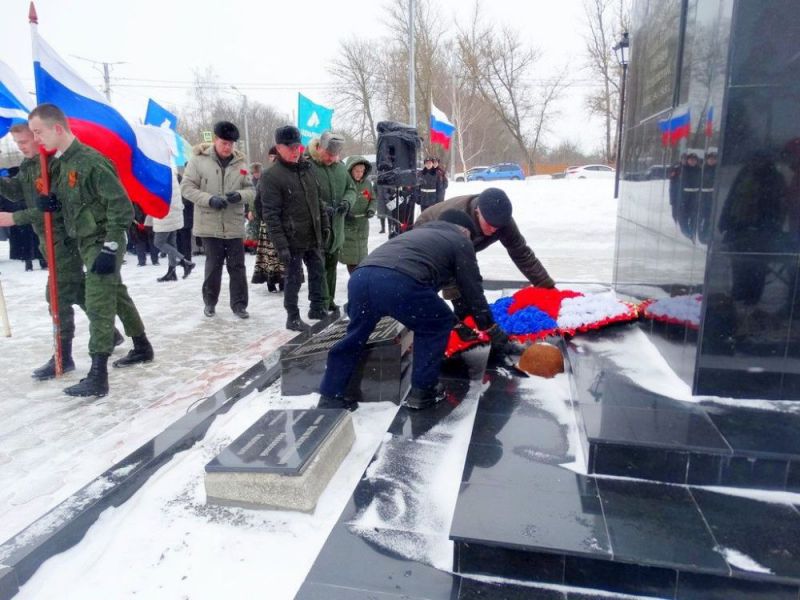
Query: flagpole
(52,283)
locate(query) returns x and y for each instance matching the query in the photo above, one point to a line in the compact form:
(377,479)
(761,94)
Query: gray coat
(205,177)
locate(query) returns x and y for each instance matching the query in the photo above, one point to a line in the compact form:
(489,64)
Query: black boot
(29,265)
(295,323)
(337,401)
(48,369)
(118,337)
(141,352)
(170,275)
(317,313)
(187,267)
(419,398)
(96,382)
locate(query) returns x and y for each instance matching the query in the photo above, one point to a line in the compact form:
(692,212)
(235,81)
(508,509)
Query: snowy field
(51,445)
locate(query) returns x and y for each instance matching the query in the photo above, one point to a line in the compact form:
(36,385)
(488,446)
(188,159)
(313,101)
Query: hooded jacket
(510,236)
(205,177)
(356,224)
(337,193)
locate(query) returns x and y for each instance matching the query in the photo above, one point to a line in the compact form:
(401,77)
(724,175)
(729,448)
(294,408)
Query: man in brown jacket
(218,183)
(491,212)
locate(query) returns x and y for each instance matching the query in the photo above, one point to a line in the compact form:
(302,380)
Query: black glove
(329,211)
(233,197)
(48,203)
(106,261)
(500,342)
(285,256)
(217,202)
(342,208)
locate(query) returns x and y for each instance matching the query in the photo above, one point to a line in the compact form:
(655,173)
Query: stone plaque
(382,374)
(283,461)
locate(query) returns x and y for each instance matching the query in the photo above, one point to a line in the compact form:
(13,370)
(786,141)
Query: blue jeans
(376,292)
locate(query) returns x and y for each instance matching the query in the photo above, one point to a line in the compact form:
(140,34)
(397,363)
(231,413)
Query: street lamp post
(622,51)
(246,130)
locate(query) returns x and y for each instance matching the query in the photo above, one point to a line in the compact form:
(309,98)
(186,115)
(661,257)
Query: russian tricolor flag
(14,100)
(677,127)
(141,156)
(441,128)
(709,129)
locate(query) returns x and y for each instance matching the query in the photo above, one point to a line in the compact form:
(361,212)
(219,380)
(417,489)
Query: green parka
(337,193)
(356,224)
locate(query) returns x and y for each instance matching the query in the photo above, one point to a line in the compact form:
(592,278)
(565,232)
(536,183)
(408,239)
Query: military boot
(295,323)
(421,398)
(170,275)
(48,369)
(96,381)
(118,337)
(337,401)
(141,352)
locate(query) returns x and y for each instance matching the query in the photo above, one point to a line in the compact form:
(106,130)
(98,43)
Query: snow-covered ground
(51,445)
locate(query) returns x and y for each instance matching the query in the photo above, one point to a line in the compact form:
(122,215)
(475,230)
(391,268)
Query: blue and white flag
(159,116)
(312,118)
(15,102)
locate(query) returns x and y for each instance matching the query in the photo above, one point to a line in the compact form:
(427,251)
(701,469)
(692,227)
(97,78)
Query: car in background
(472,171)
(499,171)
(590,172)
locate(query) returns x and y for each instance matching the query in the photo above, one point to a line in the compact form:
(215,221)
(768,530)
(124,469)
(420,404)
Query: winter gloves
(233,197)
(218,202)
(106,261)
(48,203)
(285,255)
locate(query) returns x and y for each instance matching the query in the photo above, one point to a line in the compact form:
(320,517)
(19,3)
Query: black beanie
(495,207)
(287,135)
(225,130)
(458,217)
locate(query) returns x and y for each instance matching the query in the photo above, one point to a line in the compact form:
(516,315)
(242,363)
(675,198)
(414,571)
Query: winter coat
(203,178)
(337,193)
(441,183)
(356,223)
(510,236)
(435,255)
(428,187)
(174,219)
(291,207)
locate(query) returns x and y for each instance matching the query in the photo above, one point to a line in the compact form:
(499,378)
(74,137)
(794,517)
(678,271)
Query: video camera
(396,160)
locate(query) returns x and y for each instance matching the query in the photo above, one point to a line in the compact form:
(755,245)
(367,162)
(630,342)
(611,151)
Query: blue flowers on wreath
(528,320)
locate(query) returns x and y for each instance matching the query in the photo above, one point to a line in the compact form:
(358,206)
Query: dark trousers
(230,253)
(185,242)
(294,279)
(376,292)
(145,245)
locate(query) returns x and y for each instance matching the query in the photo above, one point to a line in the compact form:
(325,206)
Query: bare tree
(500,65)
(358,86)
(606,20)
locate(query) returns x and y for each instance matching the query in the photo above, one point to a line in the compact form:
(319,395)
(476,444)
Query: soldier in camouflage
(68,265)
(97,213)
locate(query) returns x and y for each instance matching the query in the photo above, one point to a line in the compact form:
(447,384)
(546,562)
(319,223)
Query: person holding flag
(97,213)
(68,265)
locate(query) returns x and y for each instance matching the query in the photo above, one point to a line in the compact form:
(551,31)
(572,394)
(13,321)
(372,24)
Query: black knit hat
(225,130)
(495,207)
(287,135)
(458,217)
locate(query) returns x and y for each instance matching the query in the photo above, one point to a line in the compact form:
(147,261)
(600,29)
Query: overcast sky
(257,44)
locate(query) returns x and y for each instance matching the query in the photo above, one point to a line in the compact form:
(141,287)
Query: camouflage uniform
(68,265)
(96,209)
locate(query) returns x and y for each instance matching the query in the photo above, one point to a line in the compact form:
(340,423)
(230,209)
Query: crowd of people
(303,212)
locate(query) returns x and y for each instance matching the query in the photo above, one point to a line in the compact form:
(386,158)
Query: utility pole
(412,95)
(106,73)
(246,129)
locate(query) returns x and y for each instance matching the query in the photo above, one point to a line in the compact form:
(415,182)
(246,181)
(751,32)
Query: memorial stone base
(383,374)
(283,461)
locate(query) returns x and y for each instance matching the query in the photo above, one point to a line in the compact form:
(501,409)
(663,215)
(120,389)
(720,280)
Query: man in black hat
(218,182)
(297,224)
(402,279)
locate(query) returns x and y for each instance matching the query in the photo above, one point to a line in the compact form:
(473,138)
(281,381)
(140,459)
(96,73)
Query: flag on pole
(159,116)
(676,127)
(441,128)
(141,157)
(15,102)
(709,128)
(312,118)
